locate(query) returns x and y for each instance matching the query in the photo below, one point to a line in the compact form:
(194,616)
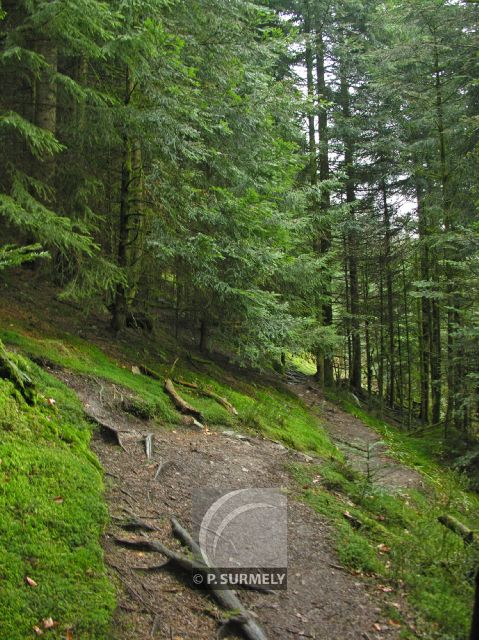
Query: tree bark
(389,297)
(46,108)
(131,220)
(352,237)
(425,322)
(325,362)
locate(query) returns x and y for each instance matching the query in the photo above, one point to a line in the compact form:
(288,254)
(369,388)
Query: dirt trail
(355,439)
(323,601)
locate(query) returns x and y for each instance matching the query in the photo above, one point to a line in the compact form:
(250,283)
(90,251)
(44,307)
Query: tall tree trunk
(408,347)
(313,163)
(120,305)
(352,237)
(367,336)
(325,362)
(453,380)
(425,337)
(389,295)
(381,355)
(46,107)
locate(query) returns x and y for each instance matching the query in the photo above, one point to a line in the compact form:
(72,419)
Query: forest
(285,189)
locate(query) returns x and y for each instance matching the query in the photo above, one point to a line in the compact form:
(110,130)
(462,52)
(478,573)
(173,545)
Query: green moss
(52,517)
(82,357)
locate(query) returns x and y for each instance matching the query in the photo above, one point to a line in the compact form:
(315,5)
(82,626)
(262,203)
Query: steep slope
(359,550)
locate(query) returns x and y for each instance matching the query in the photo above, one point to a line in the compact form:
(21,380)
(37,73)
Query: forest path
(323,601)
(361,445)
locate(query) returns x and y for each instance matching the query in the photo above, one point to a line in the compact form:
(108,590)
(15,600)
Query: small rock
(304,456)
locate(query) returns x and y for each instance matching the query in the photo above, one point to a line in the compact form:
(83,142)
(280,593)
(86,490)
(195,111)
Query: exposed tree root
(469,536)
(181,404)
(209,394)
(106,426)
(226,598)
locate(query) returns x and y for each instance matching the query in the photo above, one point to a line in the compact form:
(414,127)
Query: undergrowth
(397,536)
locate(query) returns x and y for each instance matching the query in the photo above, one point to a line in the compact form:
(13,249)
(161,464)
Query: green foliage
(12,256)
(40,142)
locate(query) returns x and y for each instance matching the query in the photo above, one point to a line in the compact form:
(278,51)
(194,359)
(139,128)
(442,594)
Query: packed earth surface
(323,599)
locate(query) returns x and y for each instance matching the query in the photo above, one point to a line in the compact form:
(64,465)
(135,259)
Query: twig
(338,567)
(172,368)
(134,592)
(127,493)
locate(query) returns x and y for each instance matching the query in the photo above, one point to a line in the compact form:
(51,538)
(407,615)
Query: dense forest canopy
(267,178)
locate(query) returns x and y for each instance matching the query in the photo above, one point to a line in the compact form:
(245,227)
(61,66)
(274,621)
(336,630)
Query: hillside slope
(360,559)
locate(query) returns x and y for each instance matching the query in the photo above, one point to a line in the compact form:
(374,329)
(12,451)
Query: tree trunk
(325,368)
(46,107)
(352,239)
(475,616)
(425,311)
(131,220)
(390,300)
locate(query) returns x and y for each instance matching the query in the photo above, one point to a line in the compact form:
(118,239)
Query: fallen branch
(469,536)
(209,394)
(149,445)
(227,599)
(181,404)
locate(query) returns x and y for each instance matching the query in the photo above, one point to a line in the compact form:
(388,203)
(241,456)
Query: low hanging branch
(227,599)
(209,394)
(181,404)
